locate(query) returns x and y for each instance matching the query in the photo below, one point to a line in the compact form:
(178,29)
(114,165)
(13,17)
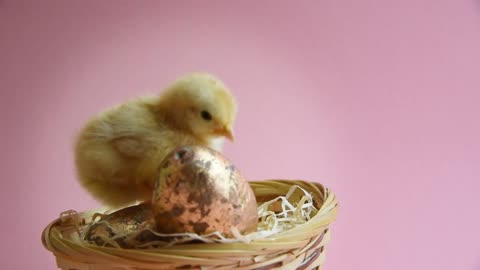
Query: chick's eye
(206,115)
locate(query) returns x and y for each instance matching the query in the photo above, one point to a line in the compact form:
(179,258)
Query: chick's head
(200,104)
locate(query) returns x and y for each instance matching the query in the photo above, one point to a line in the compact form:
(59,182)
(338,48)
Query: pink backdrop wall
(378,100)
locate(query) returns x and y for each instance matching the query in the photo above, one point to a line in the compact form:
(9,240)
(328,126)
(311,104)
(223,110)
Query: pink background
(378,100)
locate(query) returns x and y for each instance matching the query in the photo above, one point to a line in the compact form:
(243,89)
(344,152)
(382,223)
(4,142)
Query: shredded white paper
(270,224)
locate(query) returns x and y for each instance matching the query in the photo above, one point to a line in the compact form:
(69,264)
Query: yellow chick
(118,152)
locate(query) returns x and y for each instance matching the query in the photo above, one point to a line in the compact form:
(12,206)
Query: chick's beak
(225,132)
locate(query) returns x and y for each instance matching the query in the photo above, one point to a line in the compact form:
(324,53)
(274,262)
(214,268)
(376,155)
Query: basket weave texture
(302,247)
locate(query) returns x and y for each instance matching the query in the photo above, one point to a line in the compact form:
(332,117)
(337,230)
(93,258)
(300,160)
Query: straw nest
(300,247)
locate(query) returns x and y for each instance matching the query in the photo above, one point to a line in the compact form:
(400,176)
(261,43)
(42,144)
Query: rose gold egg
(124,223)
(202,192)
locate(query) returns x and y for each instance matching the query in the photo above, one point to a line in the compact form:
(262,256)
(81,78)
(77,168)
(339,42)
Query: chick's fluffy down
(118,151)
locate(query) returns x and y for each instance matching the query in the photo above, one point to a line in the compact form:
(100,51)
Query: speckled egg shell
(200,191)
(126,222)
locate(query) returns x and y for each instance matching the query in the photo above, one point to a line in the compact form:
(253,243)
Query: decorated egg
(200,191)
(126,228)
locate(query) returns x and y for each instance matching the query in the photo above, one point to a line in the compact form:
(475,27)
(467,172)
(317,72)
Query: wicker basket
(302,247)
